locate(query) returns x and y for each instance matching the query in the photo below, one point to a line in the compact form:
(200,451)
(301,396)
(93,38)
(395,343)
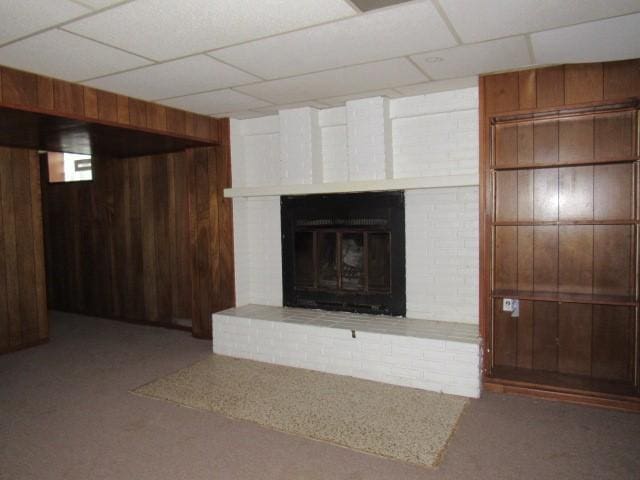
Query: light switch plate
(507,305)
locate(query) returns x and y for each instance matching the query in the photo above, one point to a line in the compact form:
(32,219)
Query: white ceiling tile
(439,86)
(382,34)
(612,39)
(475,59)
(244,115)
(341,100)
(63,55)
(165,29)
(273,109)
(23,17)
(477,21)
(171,79)
(338,82)
(99,4)
(218,102)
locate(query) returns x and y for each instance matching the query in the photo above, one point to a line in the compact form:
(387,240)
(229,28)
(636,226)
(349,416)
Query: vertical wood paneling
(225,217)
(150,239)
(45,93)
(621,79)
(19,88)
(545,336)
(123,109)
(527,89)
(90,102)
(574,338)
(583,83)
(137,113)
(107,106)
(550,87)
(68,98)
(502,92)
(23,310)
(506,334)
(149,256)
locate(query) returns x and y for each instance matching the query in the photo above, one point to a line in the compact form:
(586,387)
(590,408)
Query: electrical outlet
(507,305)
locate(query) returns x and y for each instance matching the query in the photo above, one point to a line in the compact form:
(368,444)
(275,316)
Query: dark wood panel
(505,333)
(90,102)
(525,335)
(576,140)
(156,117)
(545,259)
(545,336)
(621,79)
(614,136)
(68,98)
(574,338)
(576,193)
(19,88)
(613,192)
(107,106)
(525,195)
(613,338)
(506,191)
(545,142)
(576,259)
(127,249)
(137,113)
(506,144)
(45,93)
(55,99)
(550,87)
(545,194)
(22,300)
(225,217)
(123,109)
(583,82)
(525,258)
(525,143)
(612,260)
(505,274)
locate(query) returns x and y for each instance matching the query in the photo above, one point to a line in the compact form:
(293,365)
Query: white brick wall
(433,134)
(436,365)
(258,254)
(442,254)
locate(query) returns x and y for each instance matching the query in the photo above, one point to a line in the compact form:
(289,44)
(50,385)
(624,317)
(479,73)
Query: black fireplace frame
(387,208)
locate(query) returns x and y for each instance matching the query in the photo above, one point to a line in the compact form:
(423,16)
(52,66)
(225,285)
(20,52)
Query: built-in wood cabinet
(560,221)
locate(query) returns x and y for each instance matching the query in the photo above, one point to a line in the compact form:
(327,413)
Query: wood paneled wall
(23,304)
(23,90)
(149,239)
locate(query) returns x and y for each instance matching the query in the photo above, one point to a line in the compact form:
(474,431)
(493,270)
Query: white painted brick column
(369,139)
(300,146)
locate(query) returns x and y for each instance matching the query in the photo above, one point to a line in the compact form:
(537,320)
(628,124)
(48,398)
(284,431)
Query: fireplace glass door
(344,252)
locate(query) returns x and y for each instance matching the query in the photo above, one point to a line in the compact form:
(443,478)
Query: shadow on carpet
(397,422)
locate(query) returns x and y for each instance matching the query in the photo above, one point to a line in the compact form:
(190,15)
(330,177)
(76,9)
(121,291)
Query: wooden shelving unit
(564,220)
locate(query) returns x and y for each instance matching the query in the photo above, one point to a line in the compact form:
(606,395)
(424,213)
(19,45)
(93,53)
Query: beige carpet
(398,422)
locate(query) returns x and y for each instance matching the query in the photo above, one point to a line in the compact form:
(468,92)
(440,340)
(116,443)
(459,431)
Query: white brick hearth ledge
(360,186)
(430,355)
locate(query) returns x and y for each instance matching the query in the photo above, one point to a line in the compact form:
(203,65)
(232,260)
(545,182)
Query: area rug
(402,423)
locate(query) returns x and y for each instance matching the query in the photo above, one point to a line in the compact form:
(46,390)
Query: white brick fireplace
(426,145)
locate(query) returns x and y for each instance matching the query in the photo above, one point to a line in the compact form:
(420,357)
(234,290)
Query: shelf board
(531,166)
(361,186)
(564,222)
(593,299)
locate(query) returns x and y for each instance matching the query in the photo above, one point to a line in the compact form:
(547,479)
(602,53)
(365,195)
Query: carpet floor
(387,420)
(66,413)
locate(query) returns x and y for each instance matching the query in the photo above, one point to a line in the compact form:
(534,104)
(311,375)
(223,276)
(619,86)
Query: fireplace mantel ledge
(362,186)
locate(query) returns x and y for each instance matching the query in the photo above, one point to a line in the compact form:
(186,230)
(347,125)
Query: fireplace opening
(344,252)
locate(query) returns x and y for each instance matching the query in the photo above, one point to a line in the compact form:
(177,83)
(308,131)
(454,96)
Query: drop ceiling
(245,58)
